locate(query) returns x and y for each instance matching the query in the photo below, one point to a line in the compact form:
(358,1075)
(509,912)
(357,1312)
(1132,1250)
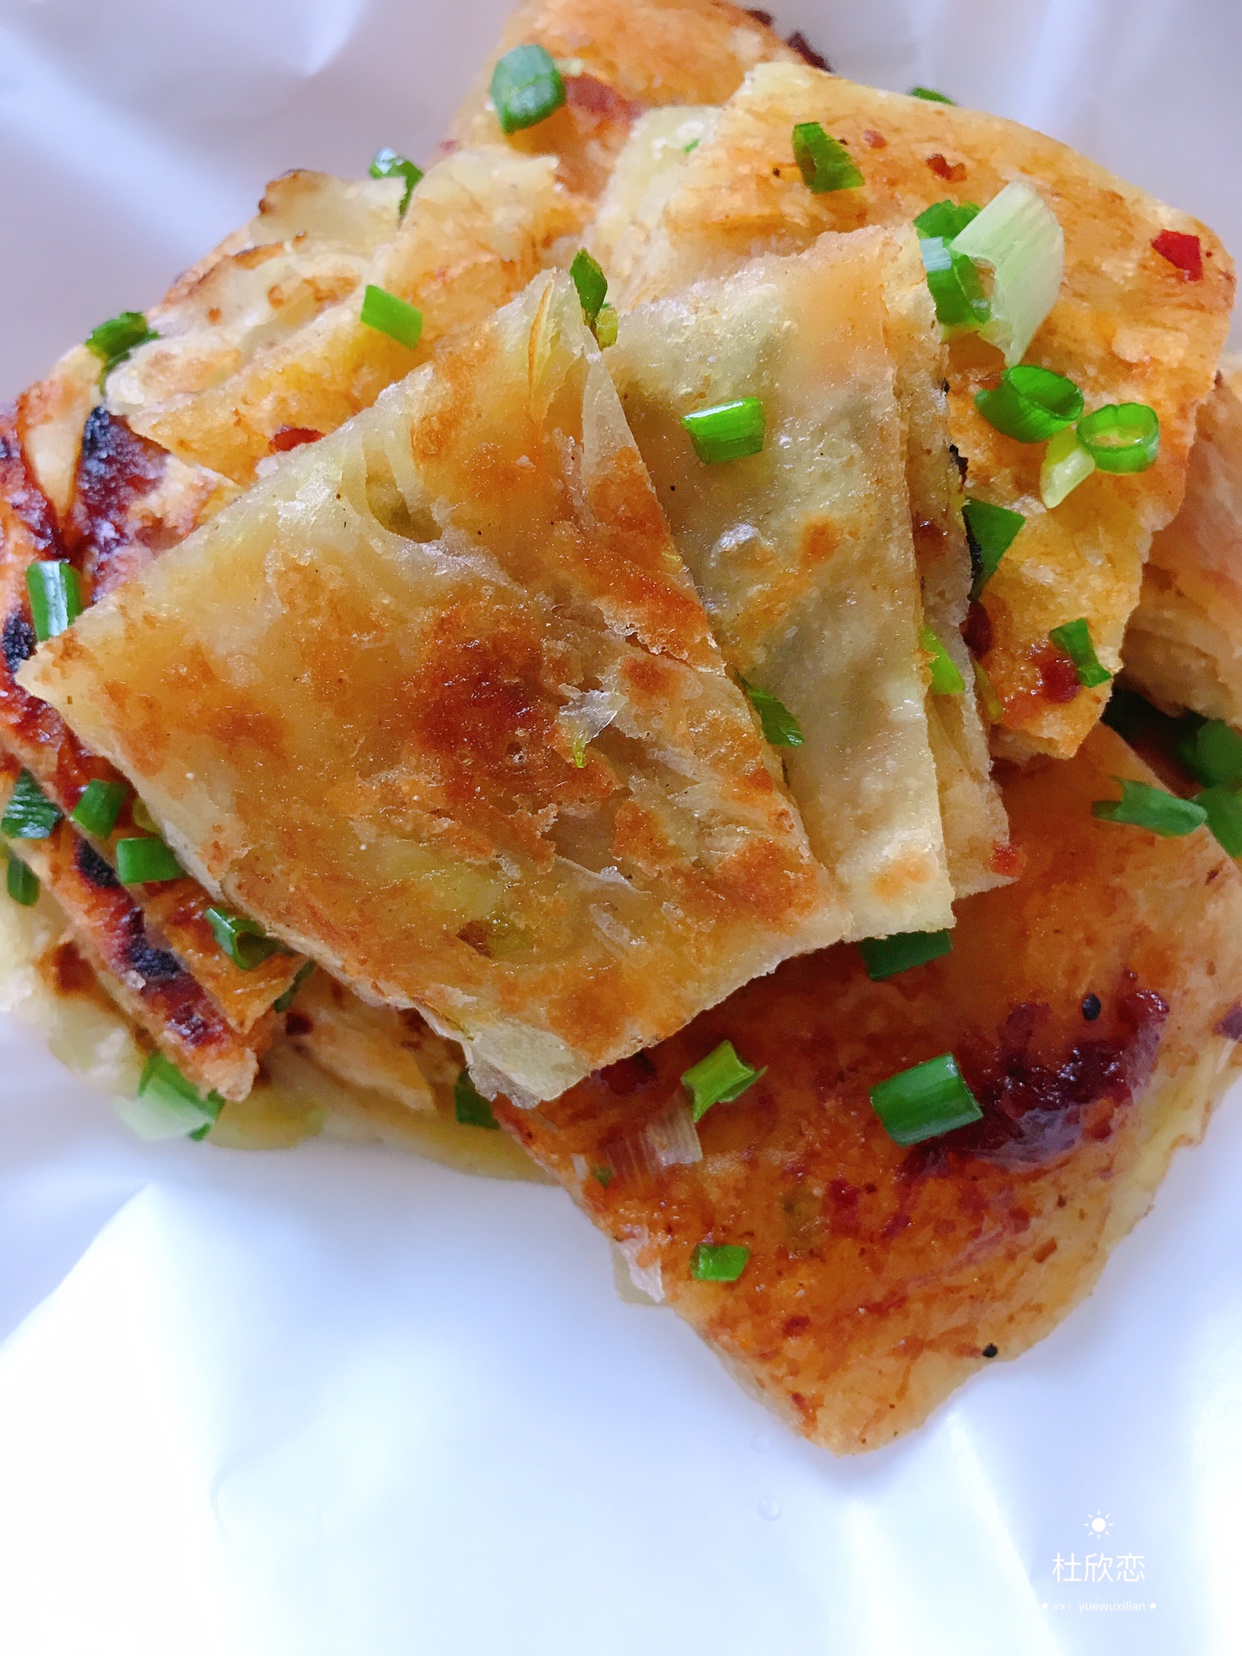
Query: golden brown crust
(879,1278)
(439,699)
(1127,328)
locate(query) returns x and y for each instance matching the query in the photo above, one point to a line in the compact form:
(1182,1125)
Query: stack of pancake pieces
(510,753)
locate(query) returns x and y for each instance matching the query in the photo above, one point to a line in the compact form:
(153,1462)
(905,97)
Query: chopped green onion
(389,164)
(944,220)
(30,814)
(603,1175)
(1224,817)
(723,1263)
(690,148)
(245,942)
(118,338)
(992,704)
(729,431)
(145,862)
(606,327)
(282,1003)
(22,883)
(946,679)
(1142,806)
(1030,403)
(780,727)
(718,1079)
(1075,639)
(592,286)
(824,162)
(991,530)
(1124,437)
(1214,753)
(925,1101)
(169,1106)
(99,807)
(1066,464)
(389,315)
(526,88)
(470,1106)
(930,96)
(1019,238)
(55,597)
(884,957)
(954,285)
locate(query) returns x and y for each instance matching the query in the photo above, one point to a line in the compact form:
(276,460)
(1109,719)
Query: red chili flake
(291,437)
(1007,860)
(977,631)
(951,171)
(1058,676)
(877,140)
(1183,251)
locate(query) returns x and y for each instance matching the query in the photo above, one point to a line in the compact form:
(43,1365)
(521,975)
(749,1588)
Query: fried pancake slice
(1183,647)
(803,554)
(438,700)
(879,1279)
(618,60)
(1127,328)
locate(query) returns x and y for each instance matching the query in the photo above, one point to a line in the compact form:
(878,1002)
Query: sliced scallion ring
(884,957)
(1066,464)
(146,862)
(387,163)
(242,939)
(100,805)
(1224,817)
(469,1105)
(526,88)
(22,883)
(945,219)
(390,315)
(1214,754)
(1142,806)
(824,162)
(730,431)
(55,597)
(1123,437)
(991,530)
(1075,639)
(592,286)
(29,814)
(1030,404)
(929,95)
(780,727)
(925,1101)
(723,1262)
(718,1079)
(954,285)
(946,678)
(1019,239)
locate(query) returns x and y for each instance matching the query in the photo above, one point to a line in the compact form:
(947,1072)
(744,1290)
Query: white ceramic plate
(332,1400)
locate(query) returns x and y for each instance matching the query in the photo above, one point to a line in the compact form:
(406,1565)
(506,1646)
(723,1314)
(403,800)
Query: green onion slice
(730,431)
(282,1003)
(925,1101)
(946,679)
(724,1262)
(1124,437)
(944,220)
(954,284)
(100,805)
(145,862)
(992,704)
(55,597)
(1075,639)
(606,327)
(1224,817)
(22,883)
(469,1105)
(991,531)
(242,939)
(526,88)
(1030,403)
(1020,240)
(592,286)
(780,726)
(30,814)
(387,163)
(118,338)
(824,162)
(930,96)
(1214,753)
(1066,464)
(389,315)
(718,1079)
(884,957)
(169,1106)
(1142,806)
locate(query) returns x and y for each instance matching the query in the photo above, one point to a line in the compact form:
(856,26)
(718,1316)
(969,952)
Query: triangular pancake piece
(803,554)
(1092,1009)
(438,701)
(1127,328)
(1183,646)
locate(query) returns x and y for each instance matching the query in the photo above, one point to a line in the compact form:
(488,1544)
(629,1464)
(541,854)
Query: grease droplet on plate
(770,1509)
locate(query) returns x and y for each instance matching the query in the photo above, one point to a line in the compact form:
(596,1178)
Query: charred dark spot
(19,641)
(91,866)
(1092,1006)
(764,17)
(894,1226)
(297,1023)
(116,468)
(152,965)
(629,1075)
(959,459)
(977,631)
(807,52)
(991,1351)
(1230,1025)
